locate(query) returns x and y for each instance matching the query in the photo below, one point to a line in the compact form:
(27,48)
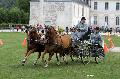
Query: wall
(62,14)
(58,13)
(36,14)
(101,12)
(77,13)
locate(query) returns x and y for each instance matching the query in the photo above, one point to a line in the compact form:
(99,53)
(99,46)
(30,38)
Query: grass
(11,54)
(115,39)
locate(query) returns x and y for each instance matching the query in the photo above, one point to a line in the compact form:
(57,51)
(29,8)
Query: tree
(24,17)
(15,15)
(14,11)
(7,3)
(3,15)
(23,5)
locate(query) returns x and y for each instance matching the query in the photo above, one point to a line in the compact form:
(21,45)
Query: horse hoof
(66,62)
(96,62)
(34,64)
(44,61)
(72,60)
(46,66)
(58,63)
(23,63)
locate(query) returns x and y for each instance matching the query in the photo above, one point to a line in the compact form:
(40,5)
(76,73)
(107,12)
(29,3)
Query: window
(117,20)
(87,1)
(106,5)
(95,20)
(117,6)
(106,19)
(95,5)
(78,11)
(82,11)
(74,10)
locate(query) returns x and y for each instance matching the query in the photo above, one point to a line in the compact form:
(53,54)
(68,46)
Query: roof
(35,0)
(57,0)
(77,1)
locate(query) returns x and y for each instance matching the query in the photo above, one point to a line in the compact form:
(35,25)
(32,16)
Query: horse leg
(60,59)
(50,56)
(35,62)
(65,59)
(26,52)
(71,56)
(63,53)
(57,57)
(27,55)
(43,56)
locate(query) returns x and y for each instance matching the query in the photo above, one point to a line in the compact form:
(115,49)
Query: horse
(34,44)
(55,44)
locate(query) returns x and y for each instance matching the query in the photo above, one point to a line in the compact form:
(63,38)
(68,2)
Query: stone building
(105,13)
(62,13)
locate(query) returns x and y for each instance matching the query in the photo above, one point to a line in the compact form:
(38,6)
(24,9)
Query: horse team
(52,43)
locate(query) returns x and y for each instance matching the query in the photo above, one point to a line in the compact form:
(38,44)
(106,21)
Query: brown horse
(34,45)
(56,44)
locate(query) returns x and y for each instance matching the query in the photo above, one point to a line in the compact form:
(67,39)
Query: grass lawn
(11,54)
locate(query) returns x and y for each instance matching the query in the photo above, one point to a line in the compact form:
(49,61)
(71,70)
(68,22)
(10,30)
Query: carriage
(86,51)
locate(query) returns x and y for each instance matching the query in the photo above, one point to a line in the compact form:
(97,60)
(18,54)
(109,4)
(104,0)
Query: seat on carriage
(96,43)
(77,37)
(90,42)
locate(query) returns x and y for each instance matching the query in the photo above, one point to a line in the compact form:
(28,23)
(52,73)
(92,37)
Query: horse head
(33,32)
(33,36)
(51,34)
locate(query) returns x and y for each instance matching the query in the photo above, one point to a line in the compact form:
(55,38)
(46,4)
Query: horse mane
(51,34)
(33,34)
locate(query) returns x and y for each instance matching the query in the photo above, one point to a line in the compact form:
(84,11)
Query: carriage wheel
(86,58)
(98,59)
(99,56)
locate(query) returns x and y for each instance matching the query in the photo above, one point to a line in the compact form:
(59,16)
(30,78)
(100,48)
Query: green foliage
(14,15)
(3,15)
(17,12)
(7,3)
(23,5)
(24,17)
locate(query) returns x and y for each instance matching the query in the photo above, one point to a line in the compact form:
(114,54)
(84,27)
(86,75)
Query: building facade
(62,13)
(105,13)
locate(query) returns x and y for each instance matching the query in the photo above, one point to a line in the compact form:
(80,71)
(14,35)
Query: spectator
(17,27)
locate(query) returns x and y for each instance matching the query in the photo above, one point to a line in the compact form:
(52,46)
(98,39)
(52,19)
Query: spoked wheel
(99,57)
(86,58)
(96,59)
